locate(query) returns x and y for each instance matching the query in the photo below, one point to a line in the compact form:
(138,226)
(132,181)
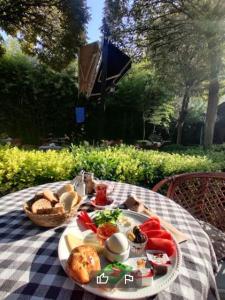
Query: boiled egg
(117,243)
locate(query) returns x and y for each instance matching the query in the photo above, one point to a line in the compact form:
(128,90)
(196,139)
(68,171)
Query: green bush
(142,167)
(35,100)
(22,168)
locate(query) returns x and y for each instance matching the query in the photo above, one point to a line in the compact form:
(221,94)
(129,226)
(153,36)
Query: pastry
(69,200)
(64,189)
(83,263)
(40,204)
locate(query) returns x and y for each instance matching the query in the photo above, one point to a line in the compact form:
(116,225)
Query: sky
(96,11)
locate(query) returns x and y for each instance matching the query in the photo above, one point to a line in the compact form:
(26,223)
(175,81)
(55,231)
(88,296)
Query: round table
(30,268)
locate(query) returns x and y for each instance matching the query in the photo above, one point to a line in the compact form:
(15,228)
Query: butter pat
(90,240)
(72,241)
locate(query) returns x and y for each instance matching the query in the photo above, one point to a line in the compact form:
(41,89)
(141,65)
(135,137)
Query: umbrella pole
(104,80)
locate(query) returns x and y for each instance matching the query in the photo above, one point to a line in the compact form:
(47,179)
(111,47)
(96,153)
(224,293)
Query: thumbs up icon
(102,279)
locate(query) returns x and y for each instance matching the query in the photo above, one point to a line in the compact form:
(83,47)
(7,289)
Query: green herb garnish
(107,216)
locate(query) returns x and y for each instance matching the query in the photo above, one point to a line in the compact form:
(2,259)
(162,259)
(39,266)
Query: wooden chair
(202,194)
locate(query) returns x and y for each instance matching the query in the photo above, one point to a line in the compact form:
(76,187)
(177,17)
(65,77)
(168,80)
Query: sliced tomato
(152,224)
(161,244)
(162,234)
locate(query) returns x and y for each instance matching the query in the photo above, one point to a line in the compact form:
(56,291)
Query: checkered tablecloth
(30,268)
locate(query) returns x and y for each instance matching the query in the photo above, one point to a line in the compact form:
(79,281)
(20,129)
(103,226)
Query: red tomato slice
(162,234)
(151,219)
(150,225)
(161,244)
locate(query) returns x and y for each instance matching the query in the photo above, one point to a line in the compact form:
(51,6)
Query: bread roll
(64,189)
(59,207)
(83,263)
(48,194)
(40,204)
(38,195)
(69,200)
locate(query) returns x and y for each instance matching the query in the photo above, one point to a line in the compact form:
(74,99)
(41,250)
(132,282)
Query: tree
(143,93)
(153,21)
(50,29)
(183,67)
(181,19)
(117,18)
(179,62)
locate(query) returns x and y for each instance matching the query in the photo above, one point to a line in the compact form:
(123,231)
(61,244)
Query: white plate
(159,283)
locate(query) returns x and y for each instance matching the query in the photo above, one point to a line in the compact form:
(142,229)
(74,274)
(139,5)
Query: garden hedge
(22,168)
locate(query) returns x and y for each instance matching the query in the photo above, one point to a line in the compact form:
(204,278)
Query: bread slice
(40,204)
(69,200)
(48,194)
(64,189)
(51,211)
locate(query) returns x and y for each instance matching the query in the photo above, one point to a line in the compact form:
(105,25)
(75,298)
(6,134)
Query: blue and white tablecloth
(30,268)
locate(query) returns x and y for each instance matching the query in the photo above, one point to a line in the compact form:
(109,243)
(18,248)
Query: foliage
(34,100)
(180,21)
(21,168)
(216,153)
(179,61)
(116,18)
(141,91)
(192,30)
(50,29)
(196,111)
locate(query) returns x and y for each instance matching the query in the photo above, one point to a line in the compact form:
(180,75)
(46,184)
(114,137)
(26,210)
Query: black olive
(139,238)
(136,230)
(142,238)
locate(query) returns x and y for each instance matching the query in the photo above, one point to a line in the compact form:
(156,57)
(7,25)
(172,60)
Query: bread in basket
(48,209)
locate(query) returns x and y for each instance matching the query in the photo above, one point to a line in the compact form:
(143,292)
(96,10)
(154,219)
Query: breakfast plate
(159,282)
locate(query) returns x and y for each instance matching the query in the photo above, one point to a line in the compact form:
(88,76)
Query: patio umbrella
(100,68)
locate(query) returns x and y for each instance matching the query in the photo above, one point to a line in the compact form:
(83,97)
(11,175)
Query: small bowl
(108,204)
(137,248)
(112,256)
(100,235)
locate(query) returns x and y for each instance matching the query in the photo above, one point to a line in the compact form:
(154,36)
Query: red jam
(105,231)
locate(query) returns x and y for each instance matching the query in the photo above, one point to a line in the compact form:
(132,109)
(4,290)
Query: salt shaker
(80,185)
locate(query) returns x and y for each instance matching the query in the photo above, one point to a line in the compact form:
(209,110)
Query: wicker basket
(49,220)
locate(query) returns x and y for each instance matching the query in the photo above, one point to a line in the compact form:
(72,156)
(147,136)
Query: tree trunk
(213,96)
(183,114)
(143,118)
